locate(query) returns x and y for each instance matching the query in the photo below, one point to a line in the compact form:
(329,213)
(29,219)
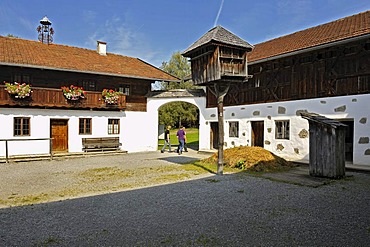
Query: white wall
(139,130)
(155,103)
(40,128)
(356,108)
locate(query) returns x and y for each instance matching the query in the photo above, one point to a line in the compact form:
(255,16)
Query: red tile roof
(15,51)
(349,27)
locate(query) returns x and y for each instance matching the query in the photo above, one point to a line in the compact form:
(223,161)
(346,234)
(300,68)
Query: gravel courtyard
(201,209)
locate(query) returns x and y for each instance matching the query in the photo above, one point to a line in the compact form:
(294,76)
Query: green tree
(11,36)
(178,66)
(178,113)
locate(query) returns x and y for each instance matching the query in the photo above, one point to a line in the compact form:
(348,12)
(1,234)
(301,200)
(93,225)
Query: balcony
(54,98)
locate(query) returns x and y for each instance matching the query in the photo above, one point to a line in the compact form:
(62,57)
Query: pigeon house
(218,56)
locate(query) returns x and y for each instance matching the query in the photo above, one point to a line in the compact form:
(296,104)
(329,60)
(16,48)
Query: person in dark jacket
(167,140)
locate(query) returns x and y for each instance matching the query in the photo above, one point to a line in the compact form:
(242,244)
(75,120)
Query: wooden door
(214,135)
(59,133)
(257,133)
(348,139)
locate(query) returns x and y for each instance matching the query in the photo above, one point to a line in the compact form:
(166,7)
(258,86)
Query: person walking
(167,140)
(181,136)
(185,143)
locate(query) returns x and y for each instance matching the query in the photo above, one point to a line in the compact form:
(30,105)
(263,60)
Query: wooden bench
(100,144)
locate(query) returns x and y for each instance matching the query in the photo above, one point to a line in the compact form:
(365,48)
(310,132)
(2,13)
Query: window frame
(124,89)
(282,132)
(234,129)
(22,78)
(23,126)
(113,126)
(84,126)
(89,85)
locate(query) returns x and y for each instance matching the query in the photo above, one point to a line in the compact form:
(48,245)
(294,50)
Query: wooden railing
(34,139)
(54,98)
(136,103)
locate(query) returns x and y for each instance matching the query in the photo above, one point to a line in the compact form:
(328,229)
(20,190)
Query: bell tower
(45,31)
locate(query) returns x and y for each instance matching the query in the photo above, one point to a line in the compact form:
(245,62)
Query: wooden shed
(327,146)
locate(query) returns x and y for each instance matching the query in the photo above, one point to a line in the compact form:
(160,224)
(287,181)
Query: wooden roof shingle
(27,53)
(221,35)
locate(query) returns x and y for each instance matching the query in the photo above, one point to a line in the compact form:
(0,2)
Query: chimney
(102,48)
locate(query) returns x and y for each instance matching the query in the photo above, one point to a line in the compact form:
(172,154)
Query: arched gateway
(193,96)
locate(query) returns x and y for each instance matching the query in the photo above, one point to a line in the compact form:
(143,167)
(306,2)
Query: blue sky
(152,30)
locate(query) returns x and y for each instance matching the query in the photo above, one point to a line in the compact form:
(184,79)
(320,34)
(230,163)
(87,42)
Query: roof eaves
(178,79)
(85,72)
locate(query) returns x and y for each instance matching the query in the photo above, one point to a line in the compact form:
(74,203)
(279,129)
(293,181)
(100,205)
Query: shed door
(257,133)
(349,139)
(59,133)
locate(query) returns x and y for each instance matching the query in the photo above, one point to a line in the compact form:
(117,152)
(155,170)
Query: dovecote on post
(219,61)
(218,56)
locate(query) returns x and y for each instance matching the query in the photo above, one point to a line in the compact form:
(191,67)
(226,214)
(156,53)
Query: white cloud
(125,38)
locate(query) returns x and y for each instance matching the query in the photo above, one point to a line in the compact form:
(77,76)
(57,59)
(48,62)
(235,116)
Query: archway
(176,114)
(194,97)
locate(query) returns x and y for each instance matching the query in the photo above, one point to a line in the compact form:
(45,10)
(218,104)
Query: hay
(251,158)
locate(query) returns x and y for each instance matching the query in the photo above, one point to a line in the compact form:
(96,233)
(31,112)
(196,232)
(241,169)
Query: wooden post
(220,95)
(51,148)
(6,151)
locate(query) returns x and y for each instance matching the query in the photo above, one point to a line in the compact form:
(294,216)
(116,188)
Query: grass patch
(192,135)
(211,180)
(206,166)
(105,174)
(108,179)
(25,200)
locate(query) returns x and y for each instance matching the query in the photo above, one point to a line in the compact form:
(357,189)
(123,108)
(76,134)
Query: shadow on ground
(229,210)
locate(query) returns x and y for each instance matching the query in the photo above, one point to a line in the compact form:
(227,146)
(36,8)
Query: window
(124,89)
(282,129)
(233,129)
(350,50)
(88,85)
(257,82)
(113,126)
(85,126)
(21,126)
(20,78)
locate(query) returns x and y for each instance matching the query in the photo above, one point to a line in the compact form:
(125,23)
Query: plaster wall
(155,103)
(356,108)
(40,128)
(139,130)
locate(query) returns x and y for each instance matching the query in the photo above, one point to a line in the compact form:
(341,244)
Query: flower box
(74,93)
(18,90)
(110,96)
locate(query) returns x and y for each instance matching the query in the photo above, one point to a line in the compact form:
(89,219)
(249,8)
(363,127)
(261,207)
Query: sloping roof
(319,119)
(345,28)
(177,93)
(221,35)
(27,53)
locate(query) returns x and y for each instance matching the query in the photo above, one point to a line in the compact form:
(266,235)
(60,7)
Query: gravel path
(25,183)
(229,210)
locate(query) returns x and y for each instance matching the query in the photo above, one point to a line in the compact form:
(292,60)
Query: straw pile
(252,159)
